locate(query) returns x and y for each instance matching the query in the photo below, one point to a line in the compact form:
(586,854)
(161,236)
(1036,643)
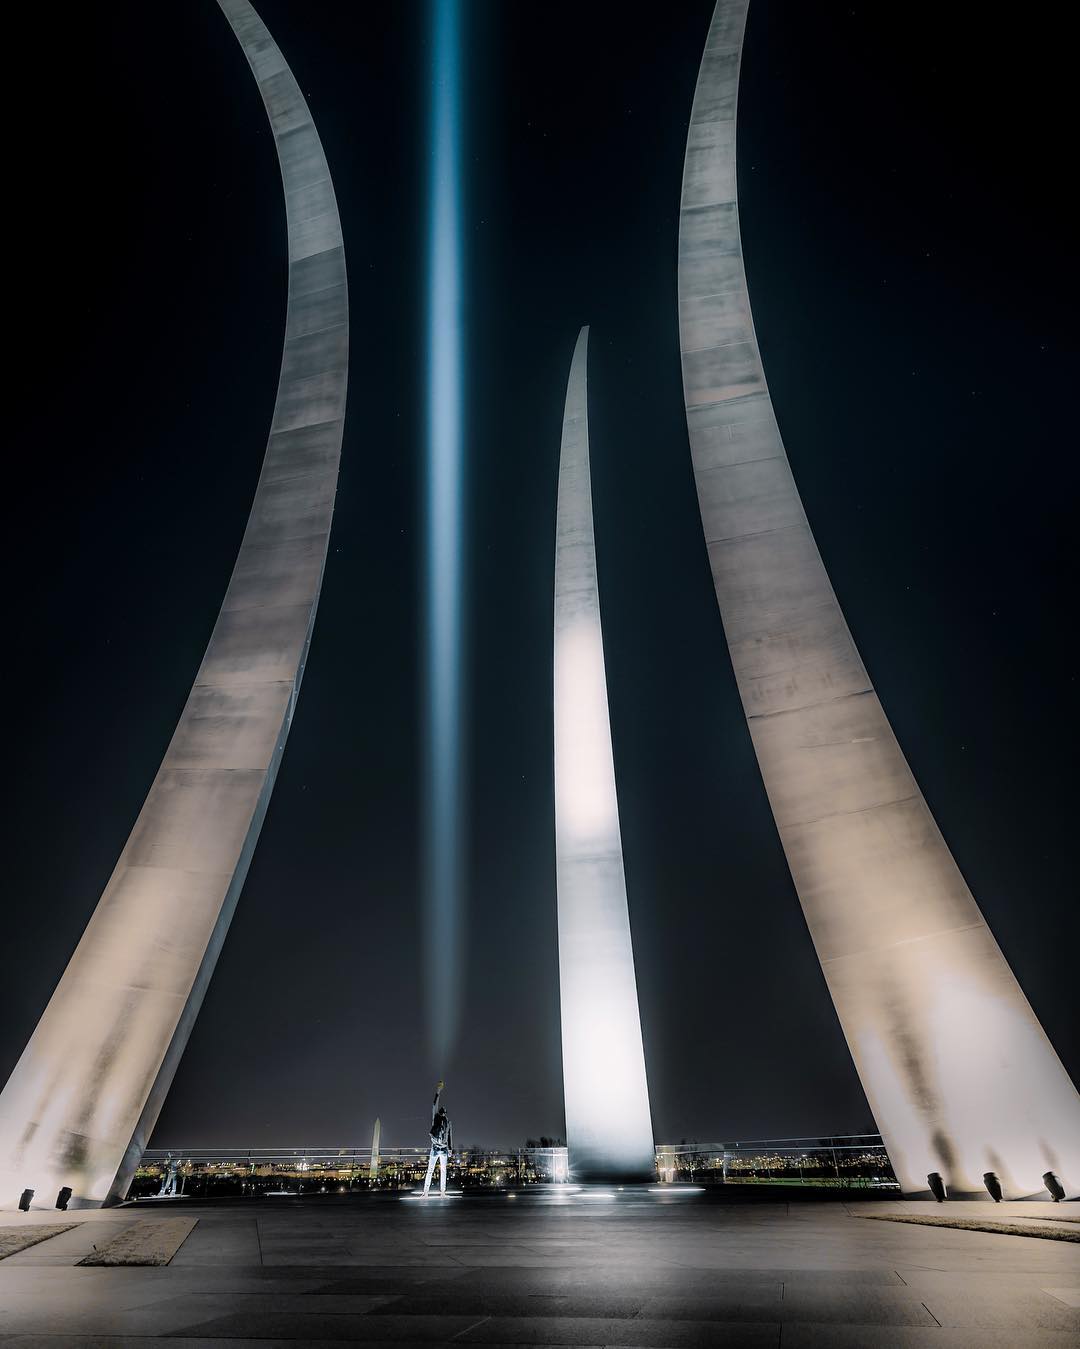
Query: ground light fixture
(63,1197)
(24,1200)
(993,1186)
(937,1186)
(1057,1190)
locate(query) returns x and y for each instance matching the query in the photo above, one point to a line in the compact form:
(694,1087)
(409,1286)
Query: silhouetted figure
(442,1141)
(168,1180)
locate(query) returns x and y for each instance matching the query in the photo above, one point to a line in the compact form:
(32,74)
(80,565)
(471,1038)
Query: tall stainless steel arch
(84,1097)
(957,1069)
(608,1124)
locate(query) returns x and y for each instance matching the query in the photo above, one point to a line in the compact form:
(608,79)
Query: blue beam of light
(444,571)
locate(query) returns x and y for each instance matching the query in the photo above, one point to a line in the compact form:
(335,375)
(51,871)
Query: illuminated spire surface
(958,1071)
(608,1124)
(83,1099)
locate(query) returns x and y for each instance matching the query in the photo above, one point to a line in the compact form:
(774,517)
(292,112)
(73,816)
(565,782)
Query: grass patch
(15,1239)
(153,1242)
(976,1225)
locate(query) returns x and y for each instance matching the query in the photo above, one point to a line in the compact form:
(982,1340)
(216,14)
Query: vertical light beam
(444,779)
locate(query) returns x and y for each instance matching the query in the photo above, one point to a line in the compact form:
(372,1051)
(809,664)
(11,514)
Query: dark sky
(902,177)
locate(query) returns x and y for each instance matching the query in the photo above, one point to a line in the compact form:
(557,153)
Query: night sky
(901,181)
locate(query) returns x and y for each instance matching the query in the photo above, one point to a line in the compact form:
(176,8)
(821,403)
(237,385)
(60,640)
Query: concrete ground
(587,1268)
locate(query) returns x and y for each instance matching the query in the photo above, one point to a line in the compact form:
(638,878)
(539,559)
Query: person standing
(168,1180)
(442,1142)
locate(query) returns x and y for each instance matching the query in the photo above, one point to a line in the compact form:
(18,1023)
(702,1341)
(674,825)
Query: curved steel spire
(84,1097)
(608,1124)
(959,1073)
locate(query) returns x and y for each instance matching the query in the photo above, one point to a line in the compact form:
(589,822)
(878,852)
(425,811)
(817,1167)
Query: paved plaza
(584,1268)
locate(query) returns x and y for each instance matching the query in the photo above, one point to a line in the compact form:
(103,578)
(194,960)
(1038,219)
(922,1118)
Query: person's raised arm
(435,1103)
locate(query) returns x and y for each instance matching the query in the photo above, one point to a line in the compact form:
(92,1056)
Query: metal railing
(288,1171)
(849,1161)
(853,1161)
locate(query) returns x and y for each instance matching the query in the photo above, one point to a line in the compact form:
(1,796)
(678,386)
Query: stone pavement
(583,1268)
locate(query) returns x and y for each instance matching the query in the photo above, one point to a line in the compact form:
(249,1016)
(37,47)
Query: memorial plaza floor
(583,1268)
